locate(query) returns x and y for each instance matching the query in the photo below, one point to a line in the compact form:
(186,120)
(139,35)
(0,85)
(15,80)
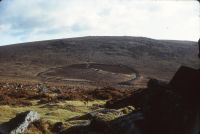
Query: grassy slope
(54,113)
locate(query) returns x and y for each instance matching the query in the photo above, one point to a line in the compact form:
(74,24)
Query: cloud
(23,20)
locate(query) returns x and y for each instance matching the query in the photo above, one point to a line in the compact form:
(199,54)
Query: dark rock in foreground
(168,108)
(20,123)
(108,122)
(186,82)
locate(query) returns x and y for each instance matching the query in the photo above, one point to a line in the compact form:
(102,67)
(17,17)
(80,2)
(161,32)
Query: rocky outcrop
(131,123)
(108,121)
(168,108)
(20,123)
(139,98)
(186,83)
(126,124)
(199,45)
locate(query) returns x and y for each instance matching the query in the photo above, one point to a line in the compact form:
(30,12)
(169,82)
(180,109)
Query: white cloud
(23,20)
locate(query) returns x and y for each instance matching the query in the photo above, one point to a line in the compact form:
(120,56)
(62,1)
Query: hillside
(96,59)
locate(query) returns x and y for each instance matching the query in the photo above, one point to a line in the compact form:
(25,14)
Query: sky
(33,20)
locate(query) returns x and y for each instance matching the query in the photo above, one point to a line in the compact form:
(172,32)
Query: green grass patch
(52,112)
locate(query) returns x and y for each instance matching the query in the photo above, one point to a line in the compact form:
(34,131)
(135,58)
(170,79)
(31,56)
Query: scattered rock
(127,124)
(40,126)
(101,121)
(127,110)
(57,90)
(42,88)
(58,127)
(112,113)
(77,130)
(109,124)
(20,123)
